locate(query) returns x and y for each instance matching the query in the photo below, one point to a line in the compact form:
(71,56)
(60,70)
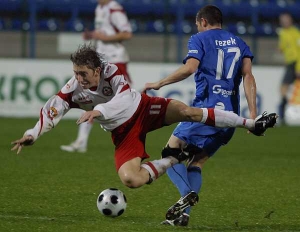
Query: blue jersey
(219,74)
(217,83)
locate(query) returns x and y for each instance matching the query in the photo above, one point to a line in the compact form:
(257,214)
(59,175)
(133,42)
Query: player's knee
(197,156)
(168,151)
(130,180)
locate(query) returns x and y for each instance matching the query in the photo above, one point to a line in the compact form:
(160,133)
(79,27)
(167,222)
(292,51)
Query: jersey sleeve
(120,21)
(53,110)
(120,102)
(51,113)
(119,83)
(195,49)
(66,92)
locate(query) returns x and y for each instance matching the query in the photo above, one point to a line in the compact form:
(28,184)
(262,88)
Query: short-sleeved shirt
(289,44)
(111,19)
(219,74)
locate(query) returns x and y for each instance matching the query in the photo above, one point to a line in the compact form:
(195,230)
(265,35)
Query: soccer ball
(292,115)
(111,202)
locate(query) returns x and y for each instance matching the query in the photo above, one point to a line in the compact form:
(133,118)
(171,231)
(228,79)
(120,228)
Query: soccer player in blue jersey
(220,61)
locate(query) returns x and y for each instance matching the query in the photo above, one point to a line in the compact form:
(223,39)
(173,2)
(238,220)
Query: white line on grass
(36,218)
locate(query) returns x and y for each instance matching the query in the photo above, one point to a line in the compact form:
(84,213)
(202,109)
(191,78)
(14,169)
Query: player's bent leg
(80,144)
(76,146)
(176,142)
(179,112)
(177,153)
(196,161)
(156,168)
(132,174)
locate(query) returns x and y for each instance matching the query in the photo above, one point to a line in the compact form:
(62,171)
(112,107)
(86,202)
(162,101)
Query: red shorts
(129,138)
(123,68)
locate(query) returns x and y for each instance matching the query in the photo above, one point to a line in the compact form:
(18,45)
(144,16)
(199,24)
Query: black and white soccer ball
(111,202)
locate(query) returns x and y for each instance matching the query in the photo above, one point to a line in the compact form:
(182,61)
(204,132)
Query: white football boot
(74,147)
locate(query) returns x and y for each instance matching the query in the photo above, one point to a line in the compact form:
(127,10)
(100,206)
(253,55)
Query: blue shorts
(206,137)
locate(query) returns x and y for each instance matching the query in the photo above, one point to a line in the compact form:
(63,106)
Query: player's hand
(27,140)
(149,86)
(88,116)
(100,36)
(87,35)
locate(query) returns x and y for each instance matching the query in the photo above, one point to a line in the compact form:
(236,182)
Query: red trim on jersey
(210,117)
(116,10)
(125,87)
(117,72)
(113,11)
(116,29)
(123,68)
(153,169)
(65,96)
(68,98)
(244,122)
(42,121)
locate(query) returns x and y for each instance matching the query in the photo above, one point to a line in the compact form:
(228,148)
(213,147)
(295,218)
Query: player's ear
(98,71)
(204,22)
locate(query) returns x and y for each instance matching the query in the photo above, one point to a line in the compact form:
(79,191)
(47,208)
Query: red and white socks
(158,167)
(224,119)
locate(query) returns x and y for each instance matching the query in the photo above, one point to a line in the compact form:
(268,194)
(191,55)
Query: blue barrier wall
(242,17)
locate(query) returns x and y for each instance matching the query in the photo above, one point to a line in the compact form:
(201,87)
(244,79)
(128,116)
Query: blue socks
(185,179)
(195,180)
(179,176)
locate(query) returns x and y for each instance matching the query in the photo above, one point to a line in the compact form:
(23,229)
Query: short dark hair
(86,55)
(211,13)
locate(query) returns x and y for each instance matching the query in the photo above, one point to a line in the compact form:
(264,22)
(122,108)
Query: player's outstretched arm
(148,86)
(50,115)
(180,74)
(20,143)
(249,87)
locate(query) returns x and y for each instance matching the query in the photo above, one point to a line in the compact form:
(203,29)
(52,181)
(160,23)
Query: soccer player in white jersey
(101,89)
(111,28)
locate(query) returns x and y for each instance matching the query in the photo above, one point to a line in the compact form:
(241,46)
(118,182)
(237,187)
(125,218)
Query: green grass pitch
(252,184)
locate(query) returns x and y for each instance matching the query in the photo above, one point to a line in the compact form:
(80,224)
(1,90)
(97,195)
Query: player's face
(286,20)
(103,2)
(86,77)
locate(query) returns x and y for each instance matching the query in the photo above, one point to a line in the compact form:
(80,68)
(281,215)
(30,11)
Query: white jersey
(111,19)
(113,98)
